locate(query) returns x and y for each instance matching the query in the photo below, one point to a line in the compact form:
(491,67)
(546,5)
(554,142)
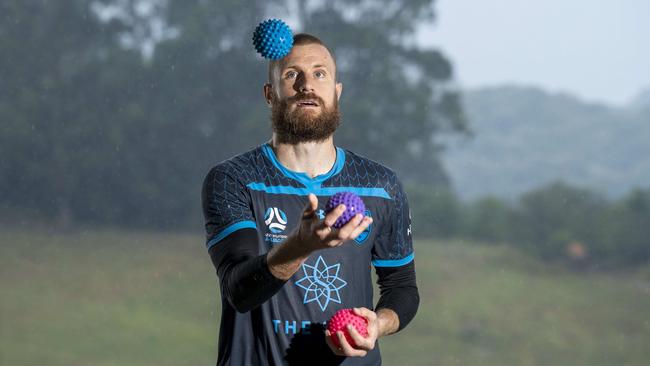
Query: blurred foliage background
(113,111)
(119,108)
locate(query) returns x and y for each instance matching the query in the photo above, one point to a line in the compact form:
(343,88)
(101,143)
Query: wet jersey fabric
(253,190)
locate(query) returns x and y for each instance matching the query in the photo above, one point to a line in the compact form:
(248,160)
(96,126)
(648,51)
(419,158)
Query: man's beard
(302,125)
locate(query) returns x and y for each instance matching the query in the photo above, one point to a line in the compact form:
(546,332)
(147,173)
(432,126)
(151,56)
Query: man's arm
(244,275)
(248,279)
(397,305)
(388,322)
(399,296)
(397,286)
(313,234)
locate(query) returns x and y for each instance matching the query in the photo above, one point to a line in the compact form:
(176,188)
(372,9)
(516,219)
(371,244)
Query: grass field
(125,298)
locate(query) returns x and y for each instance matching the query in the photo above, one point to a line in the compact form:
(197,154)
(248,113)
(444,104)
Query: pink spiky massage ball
(340,321)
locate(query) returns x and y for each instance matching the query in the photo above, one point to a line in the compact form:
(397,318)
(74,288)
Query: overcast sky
(598,50)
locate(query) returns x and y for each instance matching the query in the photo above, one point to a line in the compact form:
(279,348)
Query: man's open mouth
(307,103)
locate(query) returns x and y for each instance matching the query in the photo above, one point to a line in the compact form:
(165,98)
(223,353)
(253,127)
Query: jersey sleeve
(393,246)
(226,205)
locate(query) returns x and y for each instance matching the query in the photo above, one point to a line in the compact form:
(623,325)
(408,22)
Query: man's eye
(319,74)
(290,74)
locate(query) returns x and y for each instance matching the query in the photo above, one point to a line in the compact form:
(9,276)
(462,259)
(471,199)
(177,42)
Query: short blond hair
(298,40)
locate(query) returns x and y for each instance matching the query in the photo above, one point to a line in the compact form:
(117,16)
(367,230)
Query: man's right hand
(314,233)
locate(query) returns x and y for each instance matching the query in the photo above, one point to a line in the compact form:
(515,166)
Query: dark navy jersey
(253,190)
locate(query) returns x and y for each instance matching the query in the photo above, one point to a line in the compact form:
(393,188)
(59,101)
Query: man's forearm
(388,322)
(285,259)
(398,293)
(246,281)
(250,283)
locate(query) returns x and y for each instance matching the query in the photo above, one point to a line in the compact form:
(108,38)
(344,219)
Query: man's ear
(339,90)
(268,93)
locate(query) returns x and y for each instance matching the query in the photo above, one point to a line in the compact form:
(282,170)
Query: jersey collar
(303,178)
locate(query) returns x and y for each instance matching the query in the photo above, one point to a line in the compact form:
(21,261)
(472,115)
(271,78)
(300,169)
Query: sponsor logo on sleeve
(408,231)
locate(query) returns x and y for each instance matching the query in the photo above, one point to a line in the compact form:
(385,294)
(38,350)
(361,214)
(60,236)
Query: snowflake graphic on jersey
(321,283)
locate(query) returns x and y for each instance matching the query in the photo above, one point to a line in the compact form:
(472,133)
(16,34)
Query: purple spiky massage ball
(353,205)
(273,39)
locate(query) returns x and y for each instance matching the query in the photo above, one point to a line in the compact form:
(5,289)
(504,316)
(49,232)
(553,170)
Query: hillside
(526,137)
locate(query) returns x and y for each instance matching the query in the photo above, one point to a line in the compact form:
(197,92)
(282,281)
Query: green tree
(435,212)
(628,239)
(56,142)
(396,102)
(113,110)
(550,218)
(487,220)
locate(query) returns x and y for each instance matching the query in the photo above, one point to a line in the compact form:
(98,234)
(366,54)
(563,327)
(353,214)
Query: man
(283,268)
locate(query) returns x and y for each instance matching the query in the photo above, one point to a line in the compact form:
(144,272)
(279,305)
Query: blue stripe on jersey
(393,262)
(229,230)
(319,191)
(302,177)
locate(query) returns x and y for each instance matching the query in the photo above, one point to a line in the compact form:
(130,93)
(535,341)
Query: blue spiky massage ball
(273,39)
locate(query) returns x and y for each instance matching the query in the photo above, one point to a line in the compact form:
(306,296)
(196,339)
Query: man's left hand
(363,344)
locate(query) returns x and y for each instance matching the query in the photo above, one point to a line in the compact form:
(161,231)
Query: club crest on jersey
(366,233)
(275,219)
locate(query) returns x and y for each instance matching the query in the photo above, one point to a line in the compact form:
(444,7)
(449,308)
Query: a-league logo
(275,219)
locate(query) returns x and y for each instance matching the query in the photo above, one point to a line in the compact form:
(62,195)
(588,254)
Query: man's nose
(304,84)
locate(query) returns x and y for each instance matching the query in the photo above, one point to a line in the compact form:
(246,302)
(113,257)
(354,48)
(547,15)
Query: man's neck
(311,158)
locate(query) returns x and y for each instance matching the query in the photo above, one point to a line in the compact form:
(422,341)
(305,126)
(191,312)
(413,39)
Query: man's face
(304,95)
